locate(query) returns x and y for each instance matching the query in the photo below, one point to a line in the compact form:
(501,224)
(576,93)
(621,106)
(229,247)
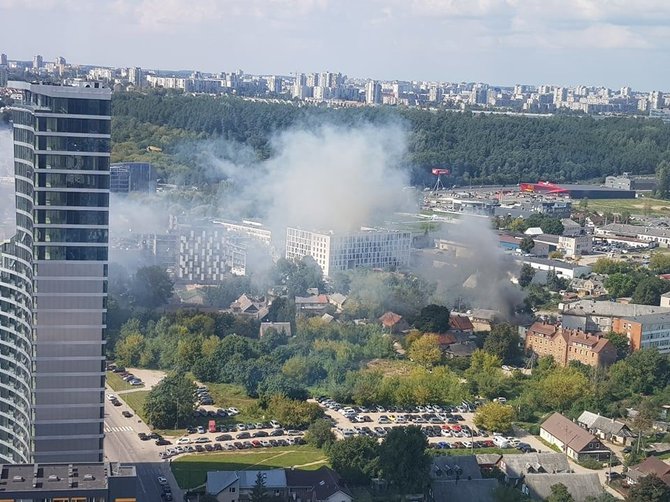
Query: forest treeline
(478,148)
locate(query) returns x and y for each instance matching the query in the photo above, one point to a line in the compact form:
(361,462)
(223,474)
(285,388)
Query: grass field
(191,470)
(136,401)
(655,207)
(117,383)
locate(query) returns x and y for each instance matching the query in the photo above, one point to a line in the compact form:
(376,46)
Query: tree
(258,492)
(503,341)
(559,493)
(660,263)
(293,414)
(526,275)
(527,244)
(621,284)
(170,404)
(320,433)
(495,417)
(555,283)
(426,351)
(620,342)
(562,387)
(649,290)
(356,459)
(663,180)
(403,460)
(433,319)
(650,488)
(151,287)
(129,349)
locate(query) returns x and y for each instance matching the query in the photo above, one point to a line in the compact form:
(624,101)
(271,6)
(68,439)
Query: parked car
(126,414)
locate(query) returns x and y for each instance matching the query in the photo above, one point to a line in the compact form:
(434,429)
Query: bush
(590,463)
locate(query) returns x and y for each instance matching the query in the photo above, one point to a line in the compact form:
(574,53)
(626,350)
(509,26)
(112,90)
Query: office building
(645,331)
(136,77)
(80,482)
(60,259)
(128,177)
(333,252)
(3,59)
(38,62)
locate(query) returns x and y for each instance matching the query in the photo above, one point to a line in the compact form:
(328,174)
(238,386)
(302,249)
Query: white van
(501,442)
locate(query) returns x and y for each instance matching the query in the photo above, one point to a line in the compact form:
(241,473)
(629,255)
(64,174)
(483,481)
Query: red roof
(390,319)
(460,323)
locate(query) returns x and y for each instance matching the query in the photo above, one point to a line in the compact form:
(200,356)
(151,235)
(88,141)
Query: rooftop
(517,466)
(59,477)
(580,486)
(608,309)
(568,432)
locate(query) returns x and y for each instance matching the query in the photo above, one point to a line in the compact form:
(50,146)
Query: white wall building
(368,248)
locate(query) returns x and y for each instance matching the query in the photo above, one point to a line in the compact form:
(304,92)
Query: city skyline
(502,42)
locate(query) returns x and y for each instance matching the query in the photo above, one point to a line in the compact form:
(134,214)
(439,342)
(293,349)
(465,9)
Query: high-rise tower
(62,150)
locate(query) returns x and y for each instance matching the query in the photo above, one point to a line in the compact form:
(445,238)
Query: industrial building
(53,282)
(369,248)
(577,191)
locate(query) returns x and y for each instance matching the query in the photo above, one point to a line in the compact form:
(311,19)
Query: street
(123,445)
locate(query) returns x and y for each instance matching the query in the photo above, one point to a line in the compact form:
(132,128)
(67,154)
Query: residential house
(566,345)
(321,485)
(460,349)
(459,478)
(461,323)
(236,486)
(571,228)
(580,486)
(311,305)
(646,331)
(254,307)
(337,300)
(483,319)
(488,461)
(578,443)
(279,327)
(517,467)
(393,322)
(650,465)
(591,286)
(606,428)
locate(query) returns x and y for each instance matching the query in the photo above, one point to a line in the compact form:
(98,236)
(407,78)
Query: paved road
(123,445)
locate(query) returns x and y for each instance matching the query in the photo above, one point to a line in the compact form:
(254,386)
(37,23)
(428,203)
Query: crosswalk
(124,428)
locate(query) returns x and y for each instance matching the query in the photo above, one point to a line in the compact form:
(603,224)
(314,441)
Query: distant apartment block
(593,315)
(334,252)
(129,177)
(566,345)
(207,255)
(249,228)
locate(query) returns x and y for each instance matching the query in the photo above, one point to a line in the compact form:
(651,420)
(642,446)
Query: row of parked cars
(125,375)
(218,413)
(202,396)
(331,404)
(233,446)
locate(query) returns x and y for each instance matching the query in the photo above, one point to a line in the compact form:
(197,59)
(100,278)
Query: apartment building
(566,345)
(369,248)
(645,331)
(57,282)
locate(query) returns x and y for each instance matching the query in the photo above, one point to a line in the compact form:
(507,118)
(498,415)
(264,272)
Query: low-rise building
(650,465)
(566,345)
(594,315)
(279,327)
(645,331)
(577,443)
(570,246)
(606,428)
(81,482)
(560,268)
(581,487)
(517,467)
(459,478)
(254,307)
(311,305)
(657,235)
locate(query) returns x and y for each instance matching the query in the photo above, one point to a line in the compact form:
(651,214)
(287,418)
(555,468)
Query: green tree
(129,349)
(620,342)
(320,433)
(650,488)
(170,404)
(555,283)
(649,290)
(562,387)
(495,417)
(503,341)
(559,493)
(526,275)
(426,351)
(355,459)
(293,414)
(258,492)
(610,266)
(151,287)
(433,319)
(527,244)
(663,180)
(403,460)
(660,263)
(621,284)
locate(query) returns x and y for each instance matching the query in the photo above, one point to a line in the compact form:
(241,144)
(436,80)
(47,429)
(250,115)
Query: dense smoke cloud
(474,271)
(324,178)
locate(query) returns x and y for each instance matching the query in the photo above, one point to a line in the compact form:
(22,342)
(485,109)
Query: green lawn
(136,401)
(117,383)
(191,470)
(656,207)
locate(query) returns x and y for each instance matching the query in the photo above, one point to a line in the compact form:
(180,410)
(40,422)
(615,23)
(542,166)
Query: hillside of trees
(478,148)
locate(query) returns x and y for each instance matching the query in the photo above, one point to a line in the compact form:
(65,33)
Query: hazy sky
(609,42)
